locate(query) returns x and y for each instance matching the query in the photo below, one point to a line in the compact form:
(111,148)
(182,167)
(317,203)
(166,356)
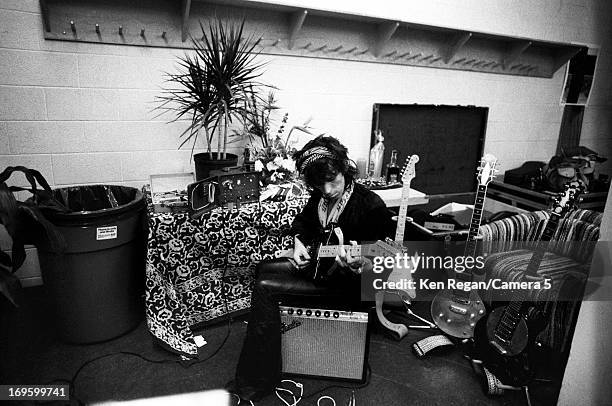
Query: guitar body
(456,315)
(323,267)
(511,362)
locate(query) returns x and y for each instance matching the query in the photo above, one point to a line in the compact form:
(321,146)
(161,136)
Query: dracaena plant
(25,224)
(213,83)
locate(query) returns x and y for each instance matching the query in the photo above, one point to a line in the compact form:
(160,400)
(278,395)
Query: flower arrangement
(271,154)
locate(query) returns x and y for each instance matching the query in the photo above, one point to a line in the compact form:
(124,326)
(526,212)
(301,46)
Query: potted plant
(25,224)
(212,88)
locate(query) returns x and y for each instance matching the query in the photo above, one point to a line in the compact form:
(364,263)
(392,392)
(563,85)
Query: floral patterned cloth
(187,270)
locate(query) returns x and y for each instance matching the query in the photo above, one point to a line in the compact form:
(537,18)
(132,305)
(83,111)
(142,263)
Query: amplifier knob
(299,312)
(308,312)
(326,314)
(336,315)
(318,313)
(290,311)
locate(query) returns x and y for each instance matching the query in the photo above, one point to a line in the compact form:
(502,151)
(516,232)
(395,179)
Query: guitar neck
(331,251)
(470,246)
(538,255)
(403,212)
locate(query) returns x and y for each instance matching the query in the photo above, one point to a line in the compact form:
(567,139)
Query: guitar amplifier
(324,343)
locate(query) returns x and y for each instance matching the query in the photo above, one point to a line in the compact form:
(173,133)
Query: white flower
(258,166)
(271,166)
(288,164)
(277,161)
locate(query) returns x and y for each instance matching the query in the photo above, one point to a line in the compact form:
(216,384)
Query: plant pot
(203,163)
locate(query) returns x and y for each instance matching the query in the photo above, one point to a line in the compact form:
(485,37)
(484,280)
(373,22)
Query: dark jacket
(364,219)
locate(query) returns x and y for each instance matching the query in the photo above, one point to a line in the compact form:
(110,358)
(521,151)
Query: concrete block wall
(82,113)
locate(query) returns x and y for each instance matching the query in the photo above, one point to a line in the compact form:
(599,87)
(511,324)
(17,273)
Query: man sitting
(336,199)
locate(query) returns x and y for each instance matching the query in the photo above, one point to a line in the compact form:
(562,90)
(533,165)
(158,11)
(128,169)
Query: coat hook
(476,64)
(362,52)
(98,29)
(321,48)
(405,54)
(350,51)
(436,59)
(459,61)
(339,47)
(275,43)
(121,30)
(469,62)
(415,56)
(390,54)
(72,26)
(307,45)
(427,57)
(163,35)
(142,32)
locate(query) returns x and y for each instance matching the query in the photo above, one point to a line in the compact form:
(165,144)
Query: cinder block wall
(81,113)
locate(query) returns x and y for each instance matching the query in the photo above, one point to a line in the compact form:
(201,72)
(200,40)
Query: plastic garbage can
(97,284)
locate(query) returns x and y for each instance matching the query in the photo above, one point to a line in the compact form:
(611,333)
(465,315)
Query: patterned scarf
(331,214)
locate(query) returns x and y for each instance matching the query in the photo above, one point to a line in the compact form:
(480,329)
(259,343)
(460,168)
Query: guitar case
(528,175)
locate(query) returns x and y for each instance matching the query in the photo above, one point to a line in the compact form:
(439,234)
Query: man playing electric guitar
(336,201)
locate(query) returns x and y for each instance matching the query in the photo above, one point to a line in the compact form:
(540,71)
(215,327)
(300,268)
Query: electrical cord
(363,385)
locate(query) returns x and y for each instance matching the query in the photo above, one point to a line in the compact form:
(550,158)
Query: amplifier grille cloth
(324,347)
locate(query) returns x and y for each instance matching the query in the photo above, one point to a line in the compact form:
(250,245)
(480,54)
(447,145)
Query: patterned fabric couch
(566,263)
(190,262)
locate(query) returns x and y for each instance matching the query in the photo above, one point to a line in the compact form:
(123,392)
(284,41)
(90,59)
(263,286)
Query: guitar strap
(427,344)
(331,214)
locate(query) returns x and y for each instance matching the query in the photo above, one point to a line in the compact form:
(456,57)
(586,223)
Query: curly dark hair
(326,169)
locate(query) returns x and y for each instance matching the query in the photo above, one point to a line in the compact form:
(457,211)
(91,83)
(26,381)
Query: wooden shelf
(284,30)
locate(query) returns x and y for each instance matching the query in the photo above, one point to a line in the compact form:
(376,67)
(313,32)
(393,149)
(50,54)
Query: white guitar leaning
(400,274)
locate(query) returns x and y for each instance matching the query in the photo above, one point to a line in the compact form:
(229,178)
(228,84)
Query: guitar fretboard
(471,244)
(403,211)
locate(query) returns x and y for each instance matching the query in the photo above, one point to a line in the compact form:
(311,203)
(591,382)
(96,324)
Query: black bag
(528,175)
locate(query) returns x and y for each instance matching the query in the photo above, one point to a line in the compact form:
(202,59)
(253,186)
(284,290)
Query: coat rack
(284,30)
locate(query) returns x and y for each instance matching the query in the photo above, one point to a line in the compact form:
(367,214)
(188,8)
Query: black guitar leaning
(506,339)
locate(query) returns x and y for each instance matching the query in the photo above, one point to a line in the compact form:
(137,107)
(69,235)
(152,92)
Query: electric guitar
(330,246)
(456,311)
(403,274)
(506,338)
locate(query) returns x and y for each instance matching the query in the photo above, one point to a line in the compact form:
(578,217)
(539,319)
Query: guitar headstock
(487,169)
(409,172)
(568,199)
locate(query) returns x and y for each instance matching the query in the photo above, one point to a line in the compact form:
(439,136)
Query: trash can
(97,283)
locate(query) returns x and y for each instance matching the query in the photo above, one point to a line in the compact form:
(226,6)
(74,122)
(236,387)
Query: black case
(526,175)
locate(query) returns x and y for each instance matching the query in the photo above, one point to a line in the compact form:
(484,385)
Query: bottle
(393,171)
(376,156)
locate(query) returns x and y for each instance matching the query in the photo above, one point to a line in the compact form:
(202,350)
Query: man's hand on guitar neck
(300,253)
(355,263)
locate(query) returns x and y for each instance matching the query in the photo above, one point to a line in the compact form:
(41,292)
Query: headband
(312,155)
